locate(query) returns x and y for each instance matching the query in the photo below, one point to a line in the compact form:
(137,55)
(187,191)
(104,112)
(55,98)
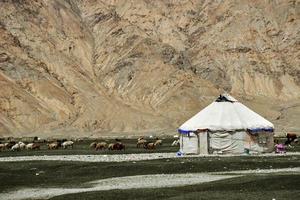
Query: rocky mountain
(90,68)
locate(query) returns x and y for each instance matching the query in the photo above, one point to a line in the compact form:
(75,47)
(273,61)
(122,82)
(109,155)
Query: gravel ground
(141,181)
(92,158)
(120,157)
(262,171)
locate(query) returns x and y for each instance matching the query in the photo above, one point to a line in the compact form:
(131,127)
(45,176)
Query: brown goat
(36,146)
(53,145)
(141,142)
(101,146)
(93,145)
(116,146)
(2,147)
(150,145)
(158,142)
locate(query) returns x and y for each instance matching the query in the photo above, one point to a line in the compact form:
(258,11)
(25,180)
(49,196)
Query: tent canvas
(227,126)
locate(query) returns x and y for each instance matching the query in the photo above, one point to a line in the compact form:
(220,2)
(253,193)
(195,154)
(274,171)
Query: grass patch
(70,174)
(247,187)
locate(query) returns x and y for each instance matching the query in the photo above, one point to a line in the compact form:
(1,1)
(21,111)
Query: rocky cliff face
(126,67)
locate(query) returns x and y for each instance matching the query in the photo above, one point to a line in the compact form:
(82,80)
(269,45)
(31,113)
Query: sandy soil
(119,157)
(141,181)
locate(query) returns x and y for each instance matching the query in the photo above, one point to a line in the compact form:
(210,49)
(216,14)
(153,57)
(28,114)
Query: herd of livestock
(17,146)
(141,143)
(64,144)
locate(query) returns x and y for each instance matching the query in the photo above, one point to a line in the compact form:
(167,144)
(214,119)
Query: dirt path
(120,157)
(136,182)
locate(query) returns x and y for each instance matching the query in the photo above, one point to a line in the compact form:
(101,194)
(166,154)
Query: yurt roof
(226,114)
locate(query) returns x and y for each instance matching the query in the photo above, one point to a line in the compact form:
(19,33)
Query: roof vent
(225,98)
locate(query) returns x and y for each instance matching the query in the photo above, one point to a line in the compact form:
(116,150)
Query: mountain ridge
(125,67)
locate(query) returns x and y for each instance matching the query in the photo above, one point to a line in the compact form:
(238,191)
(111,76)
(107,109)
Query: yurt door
(203,147)
(190,143)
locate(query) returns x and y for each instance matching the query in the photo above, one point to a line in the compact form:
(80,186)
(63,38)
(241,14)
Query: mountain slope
(125,67)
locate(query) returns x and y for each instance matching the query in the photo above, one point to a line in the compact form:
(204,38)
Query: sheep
(29,146)
(36,146)
(119,146)
(2,147)
(141,141)
(10,144)
(60,142)
(116,146)
(93,145)
(111,146)
(16,147)
(33,146)
(291,137)
(149,145)
(67,144)
(158,142)
(152,145)
(100,146)
(53,145)
(22,145)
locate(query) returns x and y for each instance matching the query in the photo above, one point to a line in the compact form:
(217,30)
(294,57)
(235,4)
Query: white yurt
(226,126)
